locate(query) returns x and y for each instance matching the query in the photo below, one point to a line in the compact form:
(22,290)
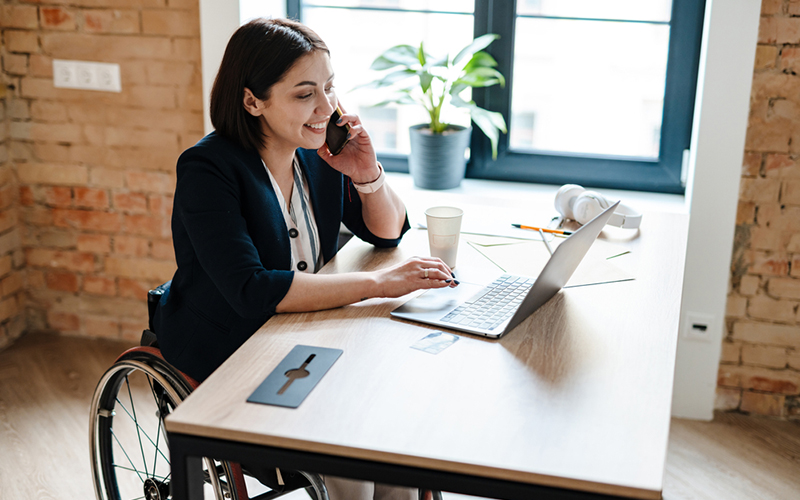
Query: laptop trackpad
(436,302)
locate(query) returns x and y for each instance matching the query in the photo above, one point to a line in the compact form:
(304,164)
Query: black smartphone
(336,136)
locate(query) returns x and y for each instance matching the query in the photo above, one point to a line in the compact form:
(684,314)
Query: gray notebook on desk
(497,308)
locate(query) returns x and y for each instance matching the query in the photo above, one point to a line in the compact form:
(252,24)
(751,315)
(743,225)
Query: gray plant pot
(437,161)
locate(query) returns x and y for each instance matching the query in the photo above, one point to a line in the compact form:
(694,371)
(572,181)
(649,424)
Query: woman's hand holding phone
(356,158)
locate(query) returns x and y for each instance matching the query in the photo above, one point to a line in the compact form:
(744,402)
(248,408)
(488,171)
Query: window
(598,93)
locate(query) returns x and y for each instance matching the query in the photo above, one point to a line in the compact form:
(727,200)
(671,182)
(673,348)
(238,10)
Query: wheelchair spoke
(138,427)
(159,402)
(136,422)
(122,467)
(138,473)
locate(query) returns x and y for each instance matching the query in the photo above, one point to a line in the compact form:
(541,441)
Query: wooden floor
(46,383)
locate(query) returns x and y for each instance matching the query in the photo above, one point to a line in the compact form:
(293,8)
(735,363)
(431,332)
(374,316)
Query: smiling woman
(258,205)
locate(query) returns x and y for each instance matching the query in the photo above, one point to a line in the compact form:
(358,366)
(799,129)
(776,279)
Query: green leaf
(480,60)
(482,77)
(490,122)
(425,80)
(421,54)
(399,55)
(478,44)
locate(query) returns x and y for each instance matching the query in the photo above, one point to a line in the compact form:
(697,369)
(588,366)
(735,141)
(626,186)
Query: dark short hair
(257,57)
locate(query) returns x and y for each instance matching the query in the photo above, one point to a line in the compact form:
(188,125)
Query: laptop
(497,308)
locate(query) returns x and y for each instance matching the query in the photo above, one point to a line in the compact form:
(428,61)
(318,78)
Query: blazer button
(302,266)
(293,233)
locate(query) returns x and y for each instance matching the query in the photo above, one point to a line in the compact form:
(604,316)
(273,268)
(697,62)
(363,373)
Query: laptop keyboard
(494,304)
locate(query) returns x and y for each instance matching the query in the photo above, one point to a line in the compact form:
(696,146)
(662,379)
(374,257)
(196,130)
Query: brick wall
(760,365)
(12,312)
(94,170)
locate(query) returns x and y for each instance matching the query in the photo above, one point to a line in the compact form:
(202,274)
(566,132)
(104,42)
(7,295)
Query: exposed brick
(19,108)
(57,238)
(793,358)
(151,97)
(786,288)
(105,177)
(5,265)
(131,245)
(21,41)
(109,48)
(91,198)
(771,7)
(94,243)
(8,219)
(766,56)
(130,202)
(100,285)
(20,16)
(52,153)
(154,182)
(56,132)
(171,73)
(767,333)
(142,138)
(762,404)
(133,289)
(139,269)
(767,30)
(146,225)
(731,352)
(74,261)
(57,18)
(727,399)
(736,306)
(764,307)
(110,21)
(87,220)
(764,355)
(751,164)
(63,322)
(770,264)
(180,23)
(790,191)
(101,327)
(41,66)
(65,282)
(6,196)
(8,308)
(57,196)
(759,190)
(11,284)
(766,238)
(185,49)
(769,135)
(759,379)
(132,330)
(15,64)
(794,244)
(162,250)
(787,30)
(48,111)
(796,266)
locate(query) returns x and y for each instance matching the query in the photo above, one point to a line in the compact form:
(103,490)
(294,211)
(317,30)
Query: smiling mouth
(316,126)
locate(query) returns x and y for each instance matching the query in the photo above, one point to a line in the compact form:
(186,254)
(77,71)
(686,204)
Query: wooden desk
(574,403)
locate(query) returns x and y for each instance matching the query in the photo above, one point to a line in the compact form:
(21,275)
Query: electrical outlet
(86,75)
(698,326)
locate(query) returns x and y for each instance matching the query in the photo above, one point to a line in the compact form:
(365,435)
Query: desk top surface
(578,396)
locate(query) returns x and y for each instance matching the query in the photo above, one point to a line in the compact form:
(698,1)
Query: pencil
(546,230)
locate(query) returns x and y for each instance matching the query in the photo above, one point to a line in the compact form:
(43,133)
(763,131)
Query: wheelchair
(128,446)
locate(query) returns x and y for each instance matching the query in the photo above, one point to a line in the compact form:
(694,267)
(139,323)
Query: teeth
(316,125)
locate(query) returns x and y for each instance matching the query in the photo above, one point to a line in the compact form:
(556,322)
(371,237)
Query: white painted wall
(720,123)
(218,20)
(722,105)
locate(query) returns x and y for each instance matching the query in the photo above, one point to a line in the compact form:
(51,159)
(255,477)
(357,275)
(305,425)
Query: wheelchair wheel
(130,456)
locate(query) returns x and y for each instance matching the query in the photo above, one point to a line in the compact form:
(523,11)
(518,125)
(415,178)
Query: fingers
(433,272)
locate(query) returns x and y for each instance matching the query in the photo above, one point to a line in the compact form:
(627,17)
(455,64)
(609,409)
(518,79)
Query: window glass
(433,5)
(644,10)
(353,50)
(588,87)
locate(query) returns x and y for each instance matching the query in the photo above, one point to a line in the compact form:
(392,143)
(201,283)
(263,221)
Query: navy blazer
(232,248)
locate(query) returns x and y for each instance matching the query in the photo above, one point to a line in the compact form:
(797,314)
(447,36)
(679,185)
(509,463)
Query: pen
(546,230)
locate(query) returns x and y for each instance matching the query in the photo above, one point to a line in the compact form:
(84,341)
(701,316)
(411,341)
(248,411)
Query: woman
(258,204)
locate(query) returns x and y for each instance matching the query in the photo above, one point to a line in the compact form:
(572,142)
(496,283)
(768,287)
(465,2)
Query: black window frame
(641,174)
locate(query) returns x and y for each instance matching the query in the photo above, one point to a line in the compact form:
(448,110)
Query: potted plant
(437,159)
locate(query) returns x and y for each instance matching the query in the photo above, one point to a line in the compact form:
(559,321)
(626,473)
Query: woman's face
(299,106)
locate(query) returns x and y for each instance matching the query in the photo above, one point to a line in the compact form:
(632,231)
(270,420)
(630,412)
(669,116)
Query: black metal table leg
(187,471)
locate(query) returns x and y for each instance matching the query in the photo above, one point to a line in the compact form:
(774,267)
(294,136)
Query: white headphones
(578,204)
